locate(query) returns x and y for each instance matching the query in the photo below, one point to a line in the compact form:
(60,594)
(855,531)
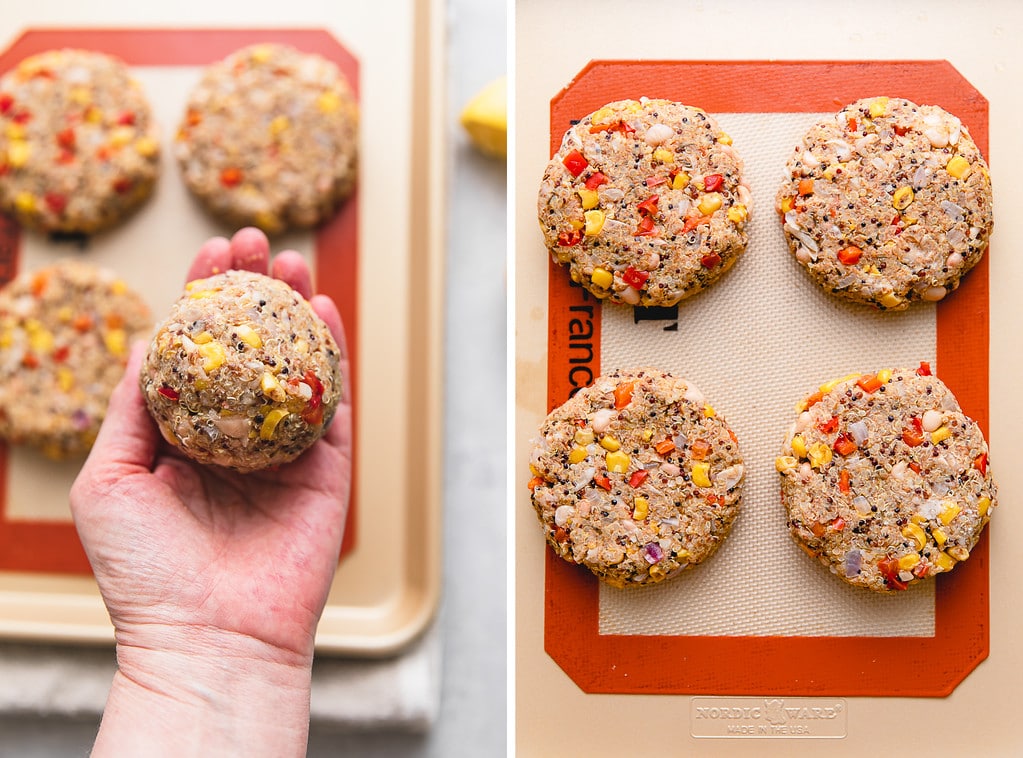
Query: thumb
(128,439)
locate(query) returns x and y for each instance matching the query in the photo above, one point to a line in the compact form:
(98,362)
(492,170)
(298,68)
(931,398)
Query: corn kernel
(121,135)
(878,106)
(25,202)
(617,462)
(93,115)
(664,156)
(710,203)
(577,455)
(648,434)
(65,314)
(328,102)
(657,571)
(948,512)
(708,411)
(890,300)
(640,509)
(594,222)
(18,152)
(958,552)
(268,222)
(983,506)
(913,532)
(959,167)
(819,455)
(272,388)
(116,342)
(785,463)
(943,562)
(939,536)
(738,214)
(584,437)
(700,474)
(918,518)
(828,386)
(939,434)
(602,278)
(588,197)
(201,294)
(80,95)
(279,125)
(884,375)
(601,116)
(65,379)
(270,422)
(146,147)
(15,131)
(118,287)
(680,181)
(908,561)
(799,445)
(902,198)
(301,346)
(260,53)
(202,338)
(576,224)
(40,341)
(248,335)
(724,139)
(213,354)
(609,443)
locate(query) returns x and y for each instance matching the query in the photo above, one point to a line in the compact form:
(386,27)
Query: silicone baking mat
(760,616)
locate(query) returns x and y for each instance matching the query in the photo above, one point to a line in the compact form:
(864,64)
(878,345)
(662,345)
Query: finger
(128,437)
(213,257)
(250,250)
(290,267)
(325,308)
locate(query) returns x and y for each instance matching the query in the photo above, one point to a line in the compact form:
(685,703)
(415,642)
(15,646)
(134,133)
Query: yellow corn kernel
(657,571)
(602,278)
(890,300)
(146,147)
(588,197)
(65,379)
(724,139)
(939,536)
(710,203)
(18,153)
(948,512)
(785,463)
(271,387)
(577,455)
(799,445)
(122,135)
(301,346)
(534,470)
(279,125)
(270,422)
(918,518)
(93,115)
(65,314)
(983,506)
(201,294)
(884,375)
(664,156)
(201,384)
(118,287)
(609,443)
(913,532)
(680,181)
(25,202)
(959,167)
(819,455)
(828,386)
(902,198)
(80,95)
(601,116)
(40,341)
(708,411)
(576,223)
(648,434)
(943,562)
(908,561)
(738,214)
(268,222)
(594,223)
(328,102)
(958,552)
(584,437)
(787,203)
(260,53)
(15,131)
(700,474)
(939,434)
(617,462)
(640,508)
(116,341)
(213,354)
(202,338)
(878,106)
(248,335)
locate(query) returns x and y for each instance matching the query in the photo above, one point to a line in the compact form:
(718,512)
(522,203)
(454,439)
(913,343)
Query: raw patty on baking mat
(636,477)
(645,202)
(79,149)
(242,373)
(270,138)
(887,202)
(885,479)
(65,331)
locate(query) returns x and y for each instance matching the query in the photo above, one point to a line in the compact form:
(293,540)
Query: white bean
(931,420)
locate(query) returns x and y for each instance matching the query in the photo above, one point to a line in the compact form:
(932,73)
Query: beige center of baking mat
(759,340)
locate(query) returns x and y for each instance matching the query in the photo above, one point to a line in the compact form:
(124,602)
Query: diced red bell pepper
(838,523)
(710,261)
(694,221)
(61,354)
(914,467)
(664,447)
(567,239)
(602,481)
(844,445)
(843,481)
(815,398)
(913,436)
(575,162)
(851,123)
(66,138)
(638,477)
(634,278)
(55,201)
(868,383)
(126,118)
(980,463)
(827,427)
(560,535)
(849,256)
(699,449)
(535,482)
(649,206)
(645,228)
(901,130)
(595,180)
(170,393)
(925,369)
(623,394)
(713,182)
(231,176)
(890,571)
(122,185)
(656,181)
(6,101)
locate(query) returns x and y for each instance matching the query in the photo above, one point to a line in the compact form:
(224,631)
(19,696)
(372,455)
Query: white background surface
(472,615)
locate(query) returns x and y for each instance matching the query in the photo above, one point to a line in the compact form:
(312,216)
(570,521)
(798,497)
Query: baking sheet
(374,606)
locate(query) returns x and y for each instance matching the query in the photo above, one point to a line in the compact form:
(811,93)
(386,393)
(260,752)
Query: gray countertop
(472,615)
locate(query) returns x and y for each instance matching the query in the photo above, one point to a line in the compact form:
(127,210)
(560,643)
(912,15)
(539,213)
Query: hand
(202,566)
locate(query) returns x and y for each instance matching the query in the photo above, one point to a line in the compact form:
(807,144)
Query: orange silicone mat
(784,665)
